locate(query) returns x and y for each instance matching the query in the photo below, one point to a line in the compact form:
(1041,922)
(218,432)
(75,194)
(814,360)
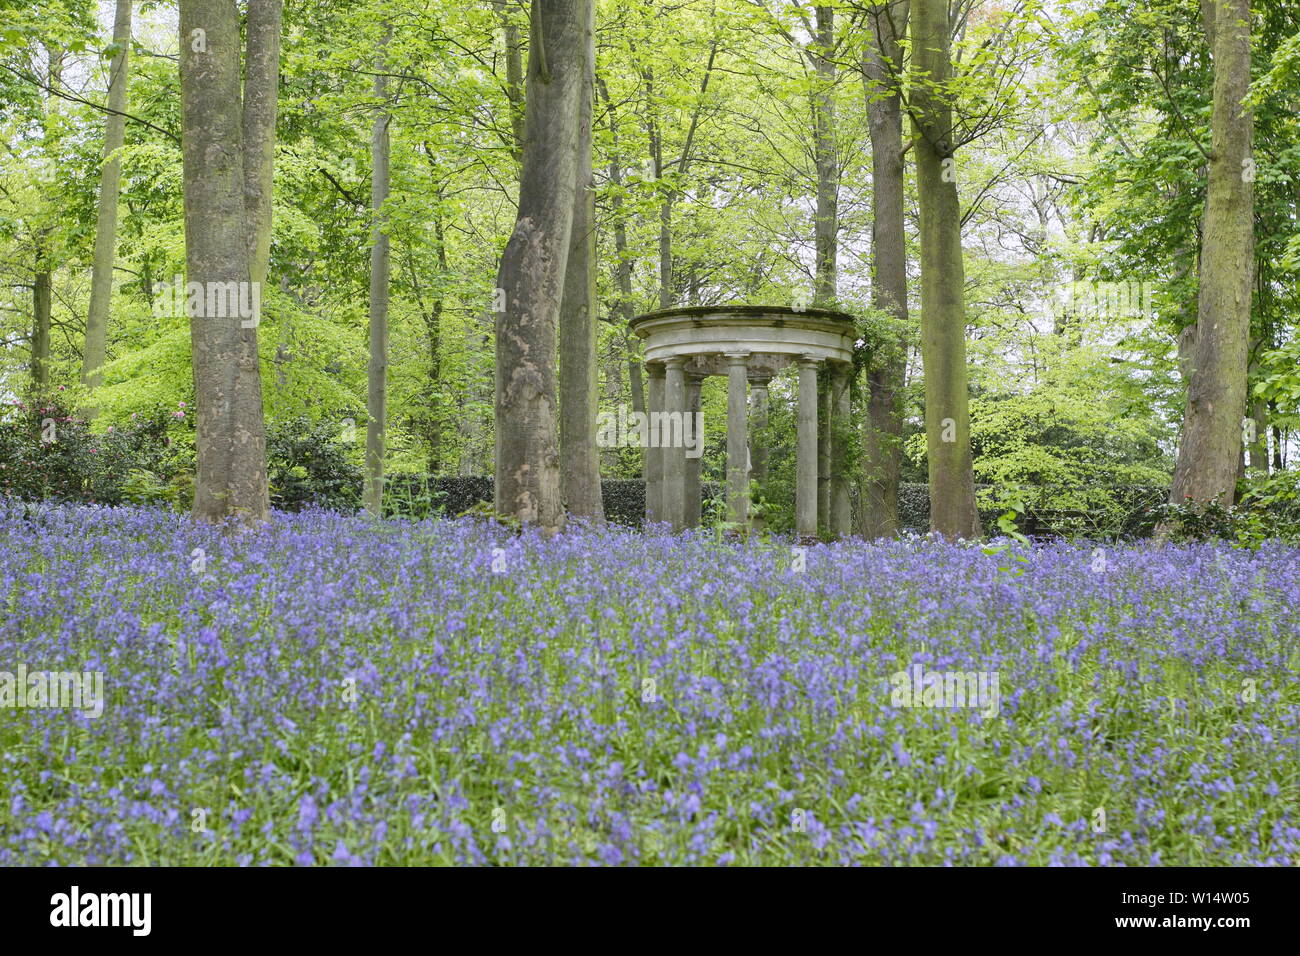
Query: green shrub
(307,464)
(49,453)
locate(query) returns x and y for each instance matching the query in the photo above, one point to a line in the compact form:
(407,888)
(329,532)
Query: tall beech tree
(821,53)
(579,456)
(531,278)
(110,180)
(43,279)
(943,309)
(377,373)
(886,24)
(261,83)
(1210,452)
(1078,134)
(230,440)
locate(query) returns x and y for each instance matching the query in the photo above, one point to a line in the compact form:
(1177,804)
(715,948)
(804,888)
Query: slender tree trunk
(41,327)
(943,310)
(654,136)
(883,431)
(435,355)
(825,230)
(514,78)
(667,289)
(377,390)
(825,159)
(43,284)
(231,438)
(623,307)
(669,193)
(261,87)
(579,456)
(530,282)
(101,282)
(1258,449)
(636,385)
(1210,451)
(433,323)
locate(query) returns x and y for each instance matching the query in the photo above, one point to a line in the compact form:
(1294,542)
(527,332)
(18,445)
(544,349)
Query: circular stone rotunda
(748,344)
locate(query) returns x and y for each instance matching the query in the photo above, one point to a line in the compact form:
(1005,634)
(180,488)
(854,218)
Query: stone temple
(749,344)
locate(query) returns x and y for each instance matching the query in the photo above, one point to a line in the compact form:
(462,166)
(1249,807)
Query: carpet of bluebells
(335,690)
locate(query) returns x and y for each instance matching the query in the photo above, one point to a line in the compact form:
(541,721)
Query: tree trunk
(231,440)
(654,137)
(667,289)
(623,307)
(434,323)
(579,456)
(43,284)
(261,88)
(636,385)
(943,311)
(530,282)
(883,431)
(1210,451)
(377,386)
(1258,449)
(514,78)
(670,193)
(41,327)
(101,281)
(824,159)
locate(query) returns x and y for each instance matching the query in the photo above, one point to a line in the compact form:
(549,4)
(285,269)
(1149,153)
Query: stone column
(824,447)
(805,496)
(693,497)
(737,437)
(674,456)
(654,459)
(757,448)
(841,511)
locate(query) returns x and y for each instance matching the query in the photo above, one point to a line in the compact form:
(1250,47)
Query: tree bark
(943,310)
(825,159)
(43,283)
(514,79)
(1210,452)
(41,327)
(1258,449)
(579,456)
(883,430)
(434,324)
(531,278)
(623,307)
(101,281)
(231,440)
(377,373)
(261,88)
(669,194)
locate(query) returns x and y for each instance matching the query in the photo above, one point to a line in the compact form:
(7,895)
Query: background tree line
(973,180)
